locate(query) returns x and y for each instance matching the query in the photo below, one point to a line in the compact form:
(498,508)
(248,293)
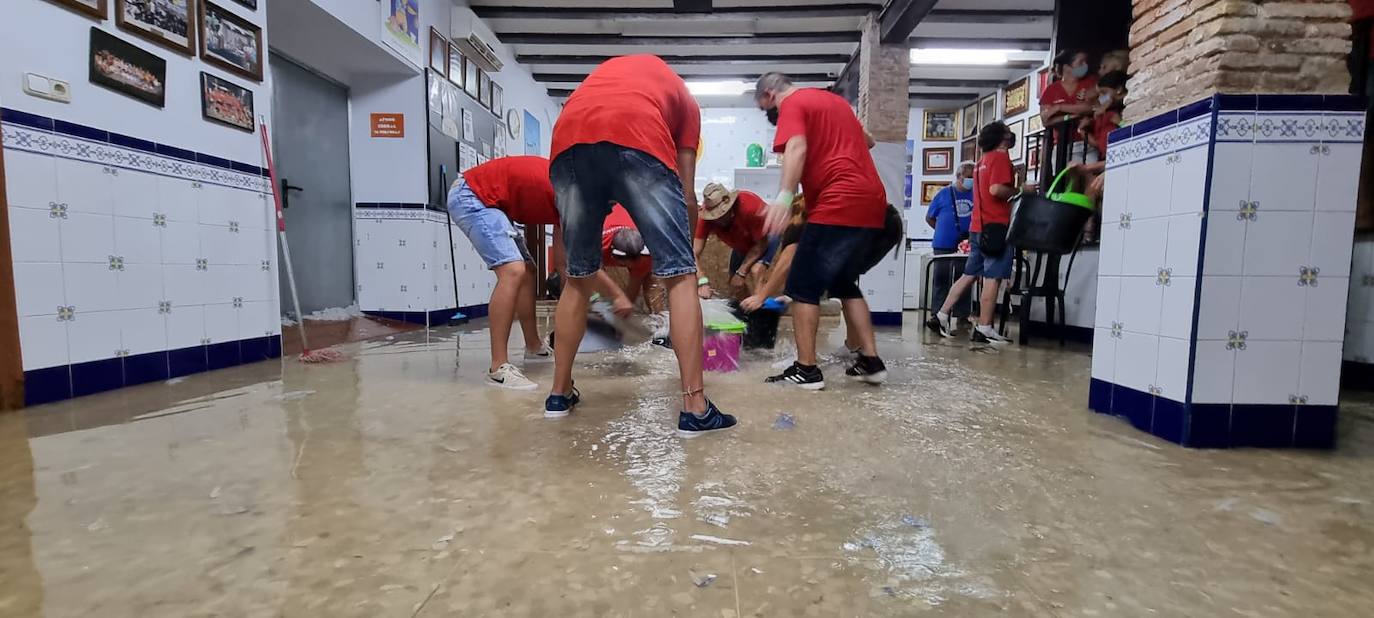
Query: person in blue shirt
(949,215)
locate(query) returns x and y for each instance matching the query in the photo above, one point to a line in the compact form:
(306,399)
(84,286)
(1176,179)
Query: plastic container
(1049,223)
(721,349)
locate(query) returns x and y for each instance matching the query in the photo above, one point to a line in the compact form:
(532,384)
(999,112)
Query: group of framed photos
(448,60)
(222,38)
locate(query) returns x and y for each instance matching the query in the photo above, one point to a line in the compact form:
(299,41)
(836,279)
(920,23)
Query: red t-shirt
(1103,126)
(517,186)
(839,179)
(639,266)
(633,101)
(746,229)
(1056,94)
(994,168)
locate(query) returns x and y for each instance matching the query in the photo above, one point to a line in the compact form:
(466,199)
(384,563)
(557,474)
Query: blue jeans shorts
(737,258)
(588,178)
(490,231)
(829,260)
(980,265)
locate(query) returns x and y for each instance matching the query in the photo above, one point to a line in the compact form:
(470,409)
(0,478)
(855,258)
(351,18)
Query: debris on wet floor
(784,422)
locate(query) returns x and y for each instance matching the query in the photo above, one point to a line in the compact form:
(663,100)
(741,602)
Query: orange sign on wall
(388,125)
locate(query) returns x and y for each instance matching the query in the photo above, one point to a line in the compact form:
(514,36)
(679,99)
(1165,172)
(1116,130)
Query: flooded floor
(396,484)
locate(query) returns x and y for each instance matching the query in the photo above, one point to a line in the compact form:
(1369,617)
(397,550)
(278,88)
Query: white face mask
(1104,99)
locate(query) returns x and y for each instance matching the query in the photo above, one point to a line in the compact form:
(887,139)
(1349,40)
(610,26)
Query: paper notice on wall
(500,147)
(482,159)
(449,125)
(486,148)
(467,157)
(468,131)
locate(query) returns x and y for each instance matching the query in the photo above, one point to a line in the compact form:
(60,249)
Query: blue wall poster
(531,134)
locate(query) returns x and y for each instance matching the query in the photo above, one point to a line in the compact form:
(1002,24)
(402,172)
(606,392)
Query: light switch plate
(47,88)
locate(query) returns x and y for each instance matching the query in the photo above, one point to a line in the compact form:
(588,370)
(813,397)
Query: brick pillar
(884,75)
(1184,50)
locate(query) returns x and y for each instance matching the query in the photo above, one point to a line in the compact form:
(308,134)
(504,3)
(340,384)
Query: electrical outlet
(47,88)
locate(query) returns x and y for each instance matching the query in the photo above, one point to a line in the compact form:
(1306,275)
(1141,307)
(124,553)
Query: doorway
(310,146)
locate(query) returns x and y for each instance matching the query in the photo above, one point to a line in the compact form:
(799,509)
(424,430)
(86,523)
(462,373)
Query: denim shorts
(489,230)
(737,258)
(588,178)
(829,260)
(980,265)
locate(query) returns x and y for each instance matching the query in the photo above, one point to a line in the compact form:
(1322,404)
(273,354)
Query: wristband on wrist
(785,197)
(702,281)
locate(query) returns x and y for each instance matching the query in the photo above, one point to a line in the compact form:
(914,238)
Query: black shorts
(829,260)
(894,230)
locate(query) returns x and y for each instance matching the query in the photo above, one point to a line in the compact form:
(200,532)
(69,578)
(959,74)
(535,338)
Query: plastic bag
(716,315)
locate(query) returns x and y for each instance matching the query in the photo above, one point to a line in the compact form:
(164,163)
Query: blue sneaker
(690,425)
(558,406)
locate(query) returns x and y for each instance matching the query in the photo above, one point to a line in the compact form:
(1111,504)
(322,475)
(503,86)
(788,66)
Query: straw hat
(717,201)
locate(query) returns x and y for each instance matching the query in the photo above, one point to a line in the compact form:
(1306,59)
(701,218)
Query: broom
(325,355)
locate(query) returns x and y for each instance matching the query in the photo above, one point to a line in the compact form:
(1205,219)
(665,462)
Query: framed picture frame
(1042,79)
(122,67)
(226,103)
(99,9)
(470,79)
(484,89)
(929,189)
(457,66)
(230,42)
(968,121)
(497,102)
(1018,152)
(1034,124)
(968,149)
(169,23)
(987,110)
(438,52)
(937,160)
(247,4)
(1021,178)
(940,126)
(1016,98)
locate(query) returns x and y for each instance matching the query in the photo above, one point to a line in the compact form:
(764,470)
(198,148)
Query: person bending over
(825,149)
(486,204)
(736,217)
(629,134)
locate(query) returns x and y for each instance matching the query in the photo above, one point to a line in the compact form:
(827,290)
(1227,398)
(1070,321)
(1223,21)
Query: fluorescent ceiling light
(731,88)
(961,56)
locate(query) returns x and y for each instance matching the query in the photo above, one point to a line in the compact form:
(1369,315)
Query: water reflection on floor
(395,484)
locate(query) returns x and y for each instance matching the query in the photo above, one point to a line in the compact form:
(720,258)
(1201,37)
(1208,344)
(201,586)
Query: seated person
(736,217)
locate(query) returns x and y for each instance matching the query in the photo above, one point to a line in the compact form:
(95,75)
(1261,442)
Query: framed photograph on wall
(248,4)
(1016,100)
(1034,124)
(95,8)
(227,103)
(438,52)
(969,121)
(937,160)
(987,110)
(497,104)
(169,23)
(968,150)
(484,89)
(941,126)
(1042,81)
(119,66)
(457,66)
(230,42)
(1018,152)
(930,189)
(470,72)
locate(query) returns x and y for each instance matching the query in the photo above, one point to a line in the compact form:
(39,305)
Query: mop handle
(281,234)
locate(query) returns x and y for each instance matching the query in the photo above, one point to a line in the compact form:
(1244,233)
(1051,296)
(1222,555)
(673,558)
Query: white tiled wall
(113,261)
(404,264)
(1147,268)
(1277,267)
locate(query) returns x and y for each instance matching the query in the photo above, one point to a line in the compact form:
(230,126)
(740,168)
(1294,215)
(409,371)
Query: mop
(308,355)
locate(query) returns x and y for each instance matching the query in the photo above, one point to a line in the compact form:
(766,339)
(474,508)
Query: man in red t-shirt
(485,204)
(1070,98)
(736,217)
(825,149)
(622,245)
(629,134)
(994,185)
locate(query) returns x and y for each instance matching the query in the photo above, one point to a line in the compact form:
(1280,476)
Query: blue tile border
(67,381)
(1258,103)
(95,134)
(1217,425)
(438,317)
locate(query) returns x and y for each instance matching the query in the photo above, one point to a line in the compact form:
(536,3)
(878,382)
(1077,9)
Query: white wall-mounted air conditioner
(477,50)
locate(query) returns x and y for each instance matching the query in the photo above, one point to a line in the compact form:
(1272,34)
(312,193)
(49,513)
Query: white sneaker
(544,355)
(507,376)
(988,334)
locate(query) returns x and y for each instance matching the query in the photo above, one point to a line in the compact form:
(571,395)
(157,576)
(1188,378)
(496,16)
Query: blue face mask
(968,184)
(1080,71)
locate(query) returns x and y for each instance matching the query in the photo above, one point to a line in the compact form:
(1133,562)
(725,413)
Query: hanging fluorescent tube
(991,57)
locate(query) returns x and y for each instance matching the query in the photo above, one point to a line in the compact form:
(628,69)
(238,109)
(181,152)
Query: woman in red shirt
(1070,97)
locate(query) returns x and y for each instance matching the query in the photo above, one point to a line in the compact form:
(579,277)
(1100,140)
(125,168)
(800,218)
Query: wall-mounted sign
(388,125)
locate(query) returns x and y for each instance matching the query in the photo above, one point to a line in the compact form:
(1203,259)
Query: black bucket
(1042,224)
(760,327)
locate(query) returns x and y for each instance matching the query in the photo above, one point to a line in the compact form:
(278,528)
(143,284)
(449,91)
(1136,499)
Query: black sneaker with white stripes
(868,369)
(801,376)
